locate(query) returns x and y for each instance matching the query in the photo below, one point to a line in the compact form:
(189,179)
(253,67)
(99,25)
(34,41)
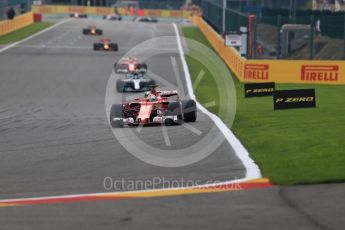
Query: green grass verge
(300,146)
(24,32)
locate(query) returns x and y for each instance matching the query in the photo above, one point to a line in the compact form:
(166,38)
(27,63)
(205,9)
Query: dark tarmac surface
(55,140)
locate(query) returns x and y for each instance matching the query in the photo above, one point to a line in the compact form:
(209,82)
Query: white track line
(166,136)
(54,47)
(252,170)
(34,35)
(192,129)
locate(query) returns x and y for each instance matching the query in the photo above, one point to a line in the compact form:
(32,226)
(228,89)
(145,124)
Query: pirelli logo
(290,99)
(320,73)
(256,72)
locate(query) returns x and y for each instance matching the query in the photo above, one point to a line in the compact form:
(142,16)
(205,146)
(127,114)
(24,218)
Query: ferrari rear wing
(168,93)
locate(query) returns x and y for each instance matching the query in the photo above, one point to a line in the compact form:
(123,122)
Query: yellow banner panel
(279,71)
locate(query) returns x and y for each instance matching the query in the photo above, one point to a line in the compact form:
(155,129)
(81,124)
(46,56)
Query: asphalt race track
(56,140)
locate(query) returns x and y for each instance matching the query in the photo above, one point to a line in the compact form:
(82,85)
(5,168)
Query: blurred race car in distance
(127,65)
(145,19)
(163,109)
(105,44)
(78,15)
(112,17)
(92,30)
(134,81)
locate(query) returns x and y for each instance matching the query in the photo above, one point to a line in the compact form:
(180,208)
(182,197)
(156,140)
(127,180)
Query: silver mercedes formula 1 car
(134,81)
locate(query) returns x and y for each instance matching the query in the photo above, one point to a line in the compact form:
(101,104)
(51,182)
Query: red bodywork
(142,110)
(132,64)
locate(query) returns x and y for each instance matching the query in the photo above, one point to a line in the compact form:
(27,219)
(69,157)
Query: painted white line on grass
(252,170)
(210,104)
(34,35)
(198,79)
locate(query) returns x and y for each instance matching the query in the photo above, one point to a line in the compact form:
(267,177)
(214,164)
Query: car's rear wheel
(174,109)
(189,110)
(151,83)
(114,47)
(120,86)
(95,46)
(116,111)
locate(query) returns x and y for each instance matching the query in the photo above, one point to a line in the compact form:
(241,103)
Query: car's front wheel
(116,113)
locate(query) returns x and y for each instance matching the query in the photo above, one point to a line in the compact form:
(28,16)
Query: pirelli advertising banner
(305,72)
(278,71)
(259,89)
(293,99)
(62,9)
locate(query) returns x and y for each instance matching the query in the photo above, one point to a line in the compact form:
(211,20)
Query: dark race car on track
(127,65)
(78,15)
(145,19)
(92,30)
(157,107)
(105,44)
(112,17)
(134,81)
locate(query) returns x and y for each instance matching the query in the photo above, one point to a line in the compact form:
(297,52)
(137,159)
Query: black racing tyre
(120,86)
(116,111)
(143,67)
(99,32)
(114,46)
(95,46)
(189,110)
(85,31)
(174,109)
(151,83)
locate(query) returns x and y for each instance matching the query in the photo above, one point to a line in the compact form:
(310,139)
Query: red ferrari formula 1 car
(129,65)
(105,44)
(92,30)
(156,107)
